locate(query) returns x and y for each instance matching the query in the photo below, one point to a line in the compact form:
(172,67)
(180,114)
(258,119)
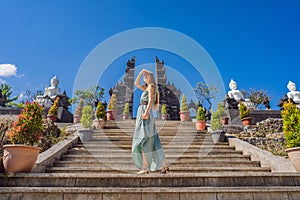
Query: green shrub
(200,114)
(126,109)
(86,118)
(112,102)
(28,128)
(183,105)
(291,124)
(79,107)
(216,118)
(164,109)
(100,111)
(244,111)
(54,108)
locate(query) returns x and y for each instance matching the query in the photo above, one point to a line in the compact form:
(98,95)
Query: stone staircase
(102,168)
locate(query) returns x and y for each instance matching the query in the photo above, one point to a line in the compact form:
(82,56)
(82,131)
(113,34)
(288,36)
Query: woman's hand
(145,72)
(145,116)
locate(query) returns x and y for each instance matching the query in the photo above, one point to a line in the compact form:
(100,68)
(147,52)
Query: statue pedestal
(256,115)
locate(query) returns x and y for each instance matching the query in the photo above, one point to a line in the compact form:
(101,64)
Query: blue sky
(256,43)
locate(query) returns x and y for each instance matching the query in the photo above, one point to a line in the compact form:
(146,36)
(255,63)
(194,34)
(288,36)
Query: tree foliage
(31,96)
(291,124)
(89,95)
(205,92)
(258,97)
(7,92)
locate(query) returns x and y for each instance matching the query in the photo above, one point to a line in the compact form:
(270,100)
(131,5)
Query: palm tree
(5,93)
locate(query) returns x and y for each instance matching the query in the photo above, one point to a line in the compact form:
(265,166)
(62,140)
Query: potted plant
(184,110)
(27,131)
(200,117)
(100,114)
(164,113)
(218,135)
(291,129)
(77,114)
(53,111)
(111,113)
(126,111)
(244,115)
(86,133)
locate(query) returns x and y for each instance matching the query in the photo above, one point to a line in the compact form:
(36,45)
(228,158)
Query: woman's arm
(150,89)
(138,81)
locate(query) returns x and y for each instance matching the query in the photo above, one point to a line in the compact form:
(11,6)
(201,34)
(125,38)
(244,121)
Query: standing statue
(293,94)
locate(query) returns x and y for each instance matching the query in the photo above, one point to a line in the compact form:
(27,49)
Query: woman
(147,152)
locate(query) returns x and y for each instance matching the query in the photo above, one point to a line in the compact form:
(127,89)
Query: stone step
(107,142)
(200,163)
(163,142)
(162,137)
(165,147)
(113,149)
(153,179)
(121,169)
(129,141)
(225,158)
(167,134)
(183,193)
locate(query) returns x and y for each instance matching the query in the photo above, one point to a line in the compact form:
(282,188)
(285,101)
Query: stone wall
(256,115)
(267,135)
(10,110)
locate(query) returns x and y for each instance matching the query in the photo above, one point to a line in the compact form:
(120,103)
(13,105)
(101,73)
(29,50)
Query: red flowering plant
(28,128)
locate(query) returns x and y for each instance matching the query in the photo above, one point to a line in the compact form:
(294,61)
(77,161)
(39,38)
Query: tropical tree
(90,95)
(6,94)
(205,92)
(31,96)
(258,97)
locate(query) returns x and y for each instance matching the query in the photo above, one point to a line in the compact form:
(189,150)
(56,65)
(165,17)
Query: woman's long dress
(146,138)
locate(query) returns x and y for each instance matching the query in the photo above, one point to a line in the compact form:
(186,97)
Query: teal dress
(146,138)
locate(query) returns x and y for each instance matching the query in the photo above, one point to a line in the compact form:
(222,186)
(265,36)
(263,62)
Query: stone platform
(256,115)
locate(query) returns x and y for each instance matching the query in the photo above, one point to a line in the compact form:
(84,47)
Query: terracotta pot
(201,125)
(164,116)
(246,121)
(225,120)
(294,155)
(102,123)
(52,117)
(185,116)
(19,158)
(76,119)
(111,114)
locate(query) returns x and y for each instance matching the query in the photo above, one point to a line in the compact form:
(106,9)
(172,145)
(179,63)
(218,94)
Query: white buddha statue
(293,94)
(53,90)
(234,93)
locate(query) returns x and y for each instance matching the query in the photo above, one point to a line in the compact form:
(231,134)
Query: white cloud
(7,70)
